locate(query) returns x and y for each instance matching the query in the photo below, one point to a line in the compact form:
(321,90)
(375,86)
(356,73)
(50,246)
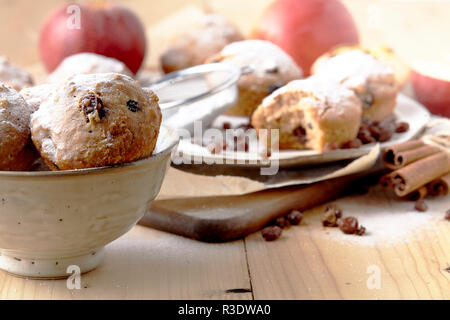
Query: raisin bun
(13,76)
(34,96)
(208,37)
(311,114)
(16,150)
(272,69)
(96,120)
(87,63)
(373,81)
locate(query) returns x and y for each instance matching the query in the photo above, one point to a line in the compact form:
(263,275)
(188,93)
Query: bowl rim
(74,172)
(234,73)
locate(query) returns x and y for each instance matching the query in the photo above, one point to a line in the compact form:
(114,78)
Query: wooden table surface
(404,255)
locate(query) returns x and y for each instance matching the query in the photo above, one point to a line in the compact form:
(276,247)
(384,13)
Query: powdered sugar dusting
(388,223)
(330,93)
(353,68)
(261,56)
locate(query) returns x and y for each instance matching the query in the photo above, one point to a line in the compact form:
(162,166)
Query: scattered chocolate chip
(348,225)
(132,105)
(352,144)
(91,104)
(421,205)
(271,233)
(402,127)
(295,217)
(300,133)
(447,215)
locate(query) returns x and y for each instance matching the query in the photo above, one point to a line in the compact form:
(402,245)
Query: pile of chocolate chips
(275,228)
(333,218)
(370,132)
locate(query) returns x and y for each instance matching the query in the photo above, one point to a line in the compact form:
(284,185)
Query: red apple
(431,84)
(306,29)
(104,28)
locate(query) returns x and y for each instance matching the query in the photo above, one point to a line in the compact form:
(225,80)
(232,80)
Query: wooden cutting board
(226,218)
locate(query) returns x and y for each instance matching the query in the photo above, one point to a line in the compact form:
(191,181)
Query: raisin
(295,217)
(91,104)
(273,70)
(300,133)
(352,144)
(273,87)
(402,127)
(365,136)
(331,216)
(348,225)
(271,233)
(361,231)
(421,205)
(226,125)
(133,106)
(281,222)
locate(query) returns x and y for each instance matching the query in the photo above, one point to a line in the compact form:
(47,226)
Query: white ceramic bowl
(52,220)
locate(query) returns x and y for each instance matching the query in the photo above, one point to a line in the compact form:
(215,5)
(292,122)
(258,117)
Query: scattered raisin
(91,104)
(295,217)
(352,144)
(348,225)
(421,205)
(364,136)
(402,127)
(132,105)
(361,231)
(271,233)
(331,215)
(281,222)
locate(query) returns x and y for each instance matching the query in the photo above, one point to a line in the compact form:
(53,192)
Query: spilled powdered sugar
(389,220)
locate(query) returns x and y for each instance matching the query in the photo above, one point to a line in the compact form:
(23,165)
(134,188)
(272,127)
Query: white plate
(407,110)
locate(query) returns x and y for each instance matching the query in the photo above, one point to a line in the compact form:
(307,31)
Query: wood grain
(148,264)
(312,262)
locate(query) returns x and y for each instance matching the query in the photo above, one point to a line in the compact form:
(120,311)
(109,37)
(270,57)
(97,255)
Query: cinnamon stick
(421,172)
(401,155)
(418,194)
(440,186)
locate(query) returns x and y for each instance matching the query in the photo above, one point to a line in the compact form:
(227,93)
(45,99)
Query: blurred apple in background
(306,29)
(431,84)
(104,28)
